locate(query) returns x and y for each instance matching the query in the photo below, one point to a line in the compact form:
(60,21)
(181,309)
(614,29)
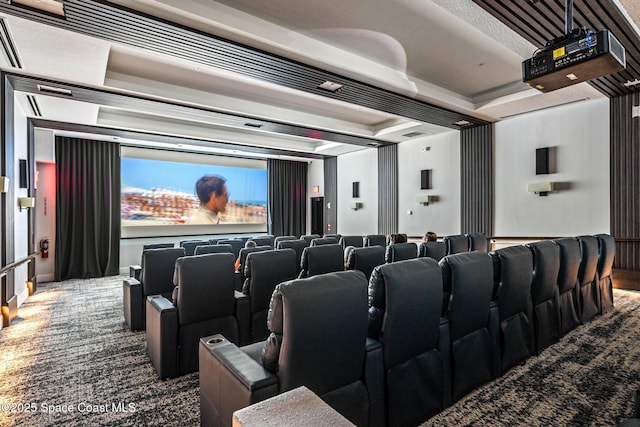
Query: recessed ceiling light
(330,86)
(462,123)
(630,83)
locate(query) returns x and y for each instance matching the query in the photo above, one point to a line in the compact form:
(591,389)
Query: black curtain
(287,197)
(87,208)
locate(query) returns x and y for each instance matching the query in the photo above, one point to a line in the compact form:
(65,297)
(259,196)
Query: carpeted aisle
(587,379)
(68,360)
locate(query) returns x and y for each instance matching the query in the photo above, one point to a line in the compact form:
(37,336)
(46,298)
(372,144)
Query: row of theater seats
(154,275)
(163,271)
(419,335)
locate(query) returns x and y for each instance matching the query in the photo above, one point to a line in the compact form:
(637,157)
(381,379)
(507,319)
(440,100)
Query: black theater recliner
(298,246)
(264,270)
(478,242)
(606,256)
(545,296)
(355,241)
(156,277)
(266,240)
(435,250)
(365,259)
(205,304)
(588,278)
(456,243)
(321,259)
(401,252)
(191,245)
(473,320)
(513,274)
(568,288)
(135,270)
(404,314)
(375,240)
(318,339)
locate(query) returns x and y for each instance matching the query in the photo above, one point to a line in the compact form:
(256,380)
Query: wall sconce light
(541,188)
(4,184)
(26,202)
(425,200)
(356,205)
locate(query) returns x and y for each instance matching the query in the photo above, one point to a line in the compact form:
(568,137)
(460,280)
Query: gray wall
(580,133)
(360,166)
(443,158)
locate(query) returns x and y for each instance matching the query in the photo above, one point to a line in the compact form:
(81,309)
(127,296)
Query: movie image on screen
(158,192)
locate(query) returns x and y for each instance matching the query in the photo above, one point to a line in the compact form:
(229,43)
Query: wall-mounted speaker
(23,177)
(356,190)
(425,179)
(542,161)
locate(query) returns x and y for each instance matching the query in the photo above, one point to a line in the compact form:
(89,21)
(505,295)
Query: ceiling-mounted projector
(578,56)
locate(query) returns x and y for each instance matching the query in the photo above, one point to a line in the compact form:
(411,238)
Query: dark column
(7,207)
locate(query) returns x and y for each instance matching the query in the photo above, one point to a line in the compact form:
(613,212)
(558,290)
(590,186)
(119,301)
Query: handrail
(12,266)
(617,239)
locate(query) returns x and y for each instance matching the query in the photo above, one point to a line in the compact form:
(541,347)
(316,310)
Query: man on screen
(213,195)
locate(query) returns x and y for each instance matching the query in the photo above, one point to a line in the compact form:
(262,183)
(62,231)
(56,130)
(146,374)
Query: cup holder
(213,341)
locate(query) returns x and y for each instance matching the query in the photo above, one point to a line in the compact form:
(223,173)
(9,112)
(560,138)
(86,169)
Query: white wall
(315,176)
(580,133)
(443,158)
(359,166)
(21,218)
(45,209)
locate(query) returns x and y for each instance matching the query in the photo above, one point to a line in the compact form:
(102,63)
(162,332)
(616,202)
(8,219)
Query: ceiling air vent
(54,90)
(8,45)
(33,104)
(413,134)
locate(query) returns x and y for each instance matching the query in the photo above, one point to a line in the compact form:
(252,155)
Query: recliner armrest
(162,335)
(229,380)
(134,271)
(243,316)
(133,304)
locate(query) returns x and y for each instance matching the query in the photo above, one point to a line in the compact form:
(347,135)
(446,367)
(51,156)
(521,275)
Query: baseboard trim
(42,278)
(626,279)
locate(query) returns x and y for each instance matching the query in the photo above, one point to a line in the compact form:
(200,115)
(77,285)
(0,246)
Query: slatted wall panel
(388,189)
(476,164)
(625,181)
(331,195)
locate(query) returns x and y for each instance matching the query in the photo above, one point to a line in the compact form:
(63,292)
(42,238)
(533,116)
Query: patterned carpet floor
(586,379)
(69,360)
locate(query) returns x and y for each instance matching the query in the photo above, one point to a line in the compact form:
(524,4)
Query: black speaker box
(425,179)
(24,179)
(356,189)
(542,161)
